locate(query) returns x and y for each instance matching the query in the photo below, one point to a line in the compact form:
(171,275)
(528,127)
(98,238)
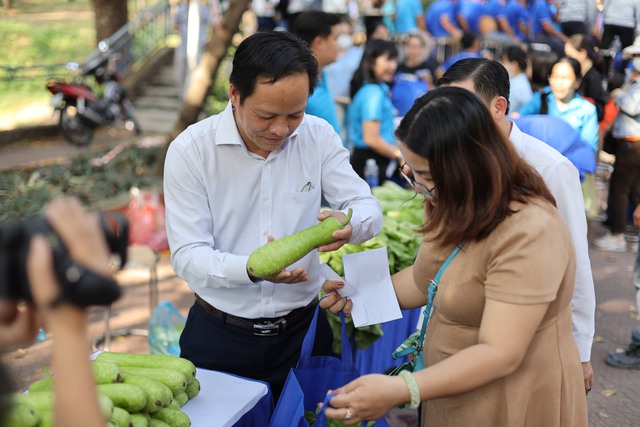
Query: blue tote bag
(308,383)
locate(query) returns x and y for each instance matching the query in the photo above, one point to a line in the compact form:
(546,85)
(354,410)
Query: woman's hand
(367,398)
(332,300)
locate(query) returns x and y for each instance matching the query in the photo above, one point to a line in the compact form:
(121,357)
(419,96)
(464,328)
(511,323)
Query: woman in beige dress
(498,349)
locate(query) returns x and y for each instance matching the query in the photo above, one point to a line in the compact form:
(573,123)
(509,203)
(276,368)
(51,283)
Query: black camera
(78,285)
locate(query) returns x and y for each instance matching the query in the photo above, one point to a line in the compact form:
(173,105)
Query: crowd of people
(539,42)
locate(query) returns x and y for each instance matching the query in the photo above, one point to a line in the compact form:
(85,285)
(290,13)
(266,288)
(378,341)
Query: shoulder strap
(433,287)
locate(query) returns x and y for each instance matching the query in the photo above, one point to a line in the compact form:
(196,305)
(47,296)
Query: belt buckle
(269,329)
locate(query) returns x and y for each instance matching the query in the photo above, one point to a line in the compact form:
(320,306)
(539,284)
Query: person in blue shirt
(470,44)
(370,115)
(516,13)
(409,16)
(441,19)
(561,99)
(543,29)
(495,26)
(470,13)
(320,30)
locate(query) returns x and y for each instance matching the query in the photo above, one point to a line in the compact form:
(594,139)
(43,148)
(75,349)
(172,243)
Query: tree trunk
(203,77)
(111,15)
(6,4)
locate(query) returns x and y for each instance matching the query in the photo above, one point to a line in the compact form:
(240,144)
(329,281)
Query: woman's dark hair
(517,54)
(373,49)
(573,63)
(584,42)
(371,25)
(541,63)
(271,56)
(474,166)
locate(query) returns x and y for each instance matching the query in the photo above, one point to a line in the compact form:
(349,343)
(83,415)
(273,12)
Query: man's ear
(234,96)
(316,43)
(499,107)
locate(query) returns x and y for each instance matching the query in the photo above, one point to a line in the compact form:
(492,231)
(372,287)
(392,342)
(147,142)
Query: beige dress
(528,259)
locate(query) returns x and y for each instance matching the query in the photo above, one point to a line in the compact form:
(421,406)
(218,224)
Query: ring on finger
(350,415)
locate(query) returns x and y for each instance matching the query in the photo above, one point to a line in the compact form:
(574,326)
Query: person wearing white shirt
(490,81)
(234,181)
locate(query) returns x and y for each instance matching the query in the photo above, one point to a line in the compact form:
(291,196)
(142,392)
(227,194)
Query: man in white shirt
(490,81)
(256,170)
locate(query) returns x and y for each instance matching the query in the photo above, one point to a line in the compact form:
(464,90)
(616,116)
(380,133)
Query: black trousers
(626,35)
(359,157)
(212,344)
(570,28)
(622,188)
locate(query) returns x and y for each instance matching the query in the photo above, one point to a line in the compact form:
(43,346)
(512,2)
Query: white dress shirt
(222,202)
(563,180)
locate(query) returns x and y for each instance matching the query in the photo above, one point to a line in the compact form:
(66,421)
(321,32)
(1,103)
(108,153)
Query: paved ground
(614,401)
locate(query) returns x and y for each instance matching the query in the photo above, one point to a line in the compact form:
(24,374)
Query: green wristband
(414,391)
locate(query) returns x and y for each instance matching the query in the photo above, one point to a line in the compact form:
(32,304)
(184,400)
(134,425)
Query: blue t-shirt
(496,8)
(517,14)
(321,104)
(580,114)
(540,13)
(406,13)
(371,102)
(472,11)
(432,17)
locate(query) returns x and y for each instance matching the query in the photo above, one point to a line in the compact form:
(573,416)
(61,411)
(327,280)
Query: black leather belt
(263,327)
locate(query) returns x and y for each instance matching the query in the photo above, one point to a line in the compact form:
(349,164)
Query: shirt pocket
(302,208)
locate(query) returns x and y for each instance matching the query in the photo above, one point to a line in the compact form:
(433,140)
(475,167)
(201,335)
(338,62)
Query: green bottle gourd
(278,254)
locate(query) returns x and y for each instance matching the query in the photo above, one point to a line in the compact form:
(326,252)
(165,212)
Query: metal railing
(129,47)
(136,41)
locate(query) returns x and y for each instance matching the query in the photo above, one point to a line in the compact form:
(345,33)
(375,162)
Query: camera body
(78,285)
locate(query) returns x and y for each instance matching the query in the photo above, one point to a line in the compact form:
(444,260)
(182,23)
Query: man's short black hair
(315,23)
(490,78)
(271,56)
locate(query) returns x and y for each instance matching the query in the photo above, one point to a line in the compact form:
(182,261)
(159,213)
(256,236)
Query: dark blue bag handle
(309,339)
(321,418)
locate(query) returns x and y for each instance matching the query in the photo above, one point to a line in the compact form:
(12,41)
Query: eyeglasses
(419,188)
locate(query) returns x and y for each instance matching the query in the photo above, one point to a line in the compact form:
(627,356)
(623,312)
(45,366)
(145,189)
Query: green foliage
(402,216)
(24,192)
(311,417)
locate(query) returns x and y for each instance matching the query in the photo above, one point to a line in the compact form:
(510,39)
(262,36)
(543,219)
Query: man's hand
(332,300)
(342,236)
(285,276)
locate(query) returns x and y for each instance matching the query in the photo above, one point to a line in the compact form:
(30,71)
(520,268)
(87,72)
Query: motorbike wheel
(130,121)
(75,130)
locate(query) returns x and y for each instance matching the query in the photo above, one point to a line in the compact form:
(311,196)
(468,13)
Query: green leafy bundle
(402,212)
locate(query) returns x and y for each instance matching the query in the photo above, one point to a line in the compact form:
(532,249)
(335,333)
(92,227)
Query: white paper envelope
(368,285)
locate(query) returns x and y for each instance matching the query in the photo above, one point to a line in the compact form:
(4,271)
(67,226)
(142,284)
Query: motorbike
(82,110)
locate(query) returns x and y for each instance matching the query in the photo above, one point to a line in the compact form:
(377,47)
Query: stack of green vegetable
(133,390)
(402,212)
